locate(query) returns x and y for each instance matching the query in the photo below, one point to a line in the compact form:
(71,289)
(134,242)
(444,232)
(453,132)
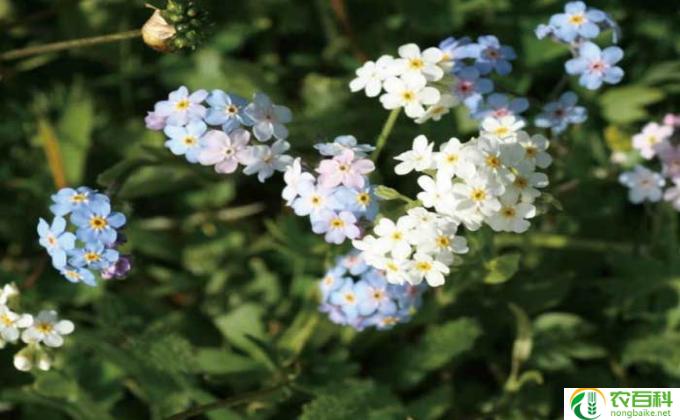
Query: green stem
(385,133)
(227,402)
(67,45)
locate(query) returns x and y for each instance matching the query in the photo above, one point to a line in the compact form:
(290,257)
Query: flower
(419,158)
(32,356)
(577,21)
(559,114)
(7,292)
(449,158)
(268,119)
(153,121)
(78,275)
(48,329)
(56,240)
(373,296)
(225,151)
(393,237)
(414,64)
(652,138)
(437,111)
(370,75)
(498,105)
(503,127)
(186,140)
(342,143)
(263,160)
(478,194)
(295,180)
(345,299)
(644,185)
(336,226)
(512,217)
(410,92)
(493,56)
(456,49)
(313,200)
(596,66)
(96,223)
(182,107)
(424,267)
(436,193)
(120,269)
(470,87)
(67,200)
(525,185)
(226,110)
(344,169)
(11,322)
(93,256)
(361,202)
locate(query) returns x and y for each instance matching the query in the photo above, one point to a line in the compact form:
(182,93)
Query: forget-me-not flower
(94,256)
(67,200)
(268,119)
(182,107)
(494,56)
(559,114)
(470,87)
(96,223)
(186,140)
(596,66)
(226,110)
(56,240)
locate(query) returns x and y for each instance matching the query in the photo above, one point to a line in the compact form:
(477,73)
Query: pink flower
(225,151)
(652,137)
(672,119)
(154,121)
(344,169)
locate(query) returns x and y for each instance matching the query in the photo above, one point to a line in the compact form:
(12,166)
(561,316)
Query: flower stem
(70,44)
(385,133)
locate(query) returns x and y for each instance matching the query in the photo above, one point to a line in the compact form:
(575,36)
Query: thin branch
(67,45)
(340,11)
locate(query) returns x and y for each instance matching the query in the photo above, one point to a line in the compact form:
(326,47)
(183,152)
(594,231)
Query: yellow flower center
(343,167)
(182,104)
(44,327)
(531,151)
(78,198)
(190,140)
(652,140)
(337,223)
(508,212)
(378,295)
(349,298)
(423,266)
(452,158)
(389,320)
(442,241)
(390,266)
(408,96)
(577,19)
(502,131)
(98,223)
(5,320)
(521,182)
(397,236)
(91,257)
(316,200)
(493,162)
(364,198)
(231,110)
(478,194)
(51,240)
(416,64)
(73,275)
(328,280)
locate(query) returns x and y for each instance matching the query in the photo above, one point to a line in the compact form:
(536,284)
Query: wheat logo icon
(587,403)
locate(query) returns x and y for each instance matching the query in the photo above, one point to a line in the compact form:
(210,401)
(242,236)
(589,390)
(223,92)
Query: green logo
(587,403)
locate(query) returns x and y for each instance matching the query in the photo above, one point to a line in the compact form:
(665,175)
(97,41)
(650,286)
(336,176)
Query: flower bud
(157,32)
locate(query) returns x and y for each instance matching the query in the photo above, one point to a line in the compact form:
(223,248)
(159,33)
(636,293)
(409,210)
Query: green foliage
(223,298)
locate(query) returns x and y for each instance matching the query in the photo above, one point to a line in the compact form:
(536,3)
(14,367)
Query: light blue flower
(596,66)
(182,107)
(336,226)
(333,279)
(186,140)
(342,143)
(470,87)
(577,21)
(361,202)
(226,110)
(498,105)
(78,275)
(67,200)
(56,240)
(494,56)
(94,256)
(96,223)
(559,114)
(345,297)
(373,296)
(313,200)
(457,50)
(268,119)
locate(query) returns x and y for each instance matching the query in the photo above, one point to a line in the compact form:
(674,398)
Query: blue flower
(456,50)
(336,226)
(596,66)
(559,114)
(342,143)
(56,240)
(577,21)
(78,275)
(470,87)
(94,256)
(182,107)
(226,110)
(67,200)
(96,223)
(494,56)
(373,296)
(186,140)
(498,105)
(361,202)
(345,297)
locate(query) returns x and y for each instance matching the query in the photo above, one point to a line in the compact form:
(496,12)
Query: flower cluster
(663,142)
(356,294)
(340,196)
(576,27)
(428,83)
(490,180)
(35,331)
(216,128)
(91,241)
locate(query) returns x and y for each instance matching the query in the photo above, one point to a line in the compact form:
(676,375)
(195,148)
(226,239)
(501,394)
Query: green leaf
(662,350)
(74,130)
(354,400)
(501,269)
(627,104)
(218,361)
(240,324)
(57,385)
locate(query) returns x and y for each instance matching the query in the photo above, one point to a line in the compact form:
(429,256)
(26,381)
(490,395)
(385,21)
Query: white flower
(535,149)
(511,217)
(648,141)
(437,194)
(10,323)
(394,238)
(371,75)
(424,267)
(396,270)
(450,157)
(268,118)
(645,185)
(493,157)
(479,194)
(424,65)
(437,111)
(409,92)
(7,292)
(295,180)
(48,329)
(503,128)
(264,160)
(32,356)
(419,158)
(524,186)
